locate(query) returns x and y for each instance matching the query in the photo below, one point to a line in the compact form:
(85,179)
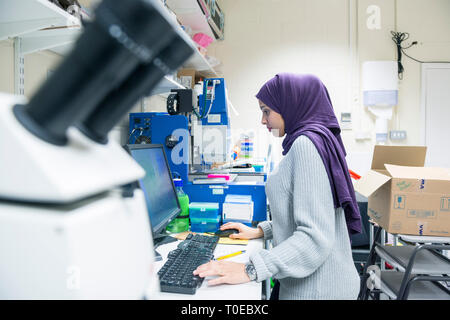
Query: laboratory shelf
(51,38)
(190,14)
(166,85)
(199,63)
(21,17)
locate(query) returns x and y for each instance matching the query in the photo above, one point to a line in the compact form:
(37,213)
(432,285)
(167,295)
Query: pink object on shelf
(213,176)
(202,39)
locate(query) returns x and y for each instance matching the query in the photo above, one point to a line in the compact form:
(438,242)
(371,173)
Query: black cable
(141,129)
(398,38)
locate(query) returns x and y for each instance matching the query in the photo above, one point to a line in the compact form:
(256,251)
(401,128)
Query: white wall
(6,67)
(264,37)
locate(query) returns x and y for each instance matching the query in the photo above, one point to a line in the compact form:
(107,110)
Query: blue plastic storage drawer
(205,224)
(204,210)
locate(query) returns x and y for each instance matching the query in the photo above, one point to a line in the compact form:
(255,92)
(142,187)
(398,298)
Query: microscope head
(124,37)
(57,143)
(139,84)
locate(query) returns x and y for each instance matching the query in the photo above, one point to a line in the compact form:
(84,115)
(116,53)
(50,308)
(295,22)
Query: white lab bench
(245,291)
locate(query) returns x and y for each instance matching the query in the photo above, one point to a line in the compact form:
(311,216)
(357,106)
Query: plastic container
(180,223)
(205,216)
(208,210)
(246,147)
(202,39)
(205,224)
(258,167)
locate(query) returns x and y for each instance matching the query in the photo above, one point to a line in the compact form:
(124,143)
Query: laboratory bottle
(181,222)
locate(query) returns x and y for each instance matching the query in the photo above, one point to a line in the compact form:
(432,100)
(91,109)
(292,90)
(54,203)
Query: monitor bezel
(156,230)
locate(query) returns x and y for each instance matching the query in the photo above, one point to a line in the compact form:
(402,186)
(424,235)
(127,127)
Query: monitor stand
(159,240)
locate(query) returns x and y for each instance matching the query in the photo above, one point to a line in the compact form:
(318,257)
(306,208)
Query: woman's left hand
(228,272)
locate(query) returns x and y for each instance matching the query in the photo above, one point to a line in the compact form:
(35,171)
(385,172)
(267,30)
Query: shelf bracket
(19,68)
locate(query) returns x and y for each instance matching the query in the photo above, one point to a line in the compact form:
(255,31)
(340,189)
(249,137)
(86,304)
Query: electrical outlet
(346,120)
(362,135)
(397,134)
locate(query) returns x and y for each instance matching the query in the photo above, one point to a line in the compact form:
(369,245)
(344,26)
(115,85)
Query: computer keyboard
(176,275)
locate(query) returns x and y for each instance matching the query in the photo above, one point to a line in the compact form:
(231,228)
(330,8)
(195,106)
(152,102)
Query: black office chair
(420,271)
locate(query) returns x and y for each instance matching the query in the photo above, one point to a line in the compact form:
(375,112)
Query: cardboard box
(187,77)
(404,196)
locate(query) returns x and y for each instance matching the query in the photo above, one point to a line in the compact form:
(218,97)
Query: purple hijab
(304,104)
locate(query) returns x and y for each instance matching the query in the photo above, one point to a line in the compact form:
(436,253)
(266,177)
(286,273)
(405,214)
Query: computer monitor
(160,194)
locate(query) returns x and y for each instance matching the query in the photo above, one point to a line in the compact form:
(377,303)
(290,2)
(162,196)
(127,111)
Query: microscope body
(72,223)
(67,229)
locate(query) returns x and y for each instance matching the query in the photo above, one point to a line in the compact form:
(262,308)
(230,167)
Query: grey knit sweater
(311,254)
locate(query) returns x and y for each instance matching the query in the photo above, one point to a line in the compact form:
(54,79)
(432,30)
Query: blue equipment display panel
(158,127)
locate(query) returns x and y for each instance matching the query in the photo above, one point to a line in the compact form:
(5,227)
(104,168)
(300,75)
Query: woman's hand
(228,272)
(245,232)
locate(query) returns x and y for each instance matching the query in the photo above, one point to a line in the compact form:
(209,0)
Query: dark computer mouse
(226,233)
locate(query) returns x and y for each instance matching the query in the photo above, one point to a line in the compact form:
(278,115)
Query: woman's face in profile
(272,120)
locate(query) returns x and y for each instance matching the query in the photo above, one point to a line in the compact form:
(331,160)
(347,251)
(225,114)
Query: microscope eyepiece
(139,84)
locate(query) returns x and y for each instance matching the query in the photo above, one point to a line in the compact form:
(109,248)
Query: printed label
(445,204)
(403,185)
(218,187)
(217,191)
(397,225)
(375,214)
(424,214)
(421,229)
(214,118)
(399,201)
(422,184)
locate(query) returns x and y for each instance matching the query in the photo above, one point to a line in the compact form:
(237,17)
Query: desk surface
(245,291)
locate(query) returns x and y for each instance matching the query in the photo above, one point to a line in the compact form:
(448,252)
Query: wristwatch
(250,271)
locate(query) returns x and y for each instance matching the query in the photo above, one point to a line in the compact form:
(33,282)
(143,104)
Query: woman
(311,198)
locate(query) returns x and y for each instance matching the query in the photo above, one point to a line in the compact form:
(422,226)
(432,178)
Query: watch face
(251,272)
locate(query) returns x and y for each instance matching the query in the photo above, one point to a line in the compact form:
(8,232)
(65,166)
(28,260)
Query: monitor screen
(158,187)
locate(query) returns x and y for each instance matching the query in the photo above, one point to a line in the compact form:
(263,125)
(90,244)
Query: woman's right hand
(245,232)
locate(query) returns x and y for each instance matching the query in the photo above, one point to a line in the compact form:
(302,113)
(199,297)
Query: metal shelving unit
(34,25)
(37,25)
(190,14)
(24,17)
(199,63)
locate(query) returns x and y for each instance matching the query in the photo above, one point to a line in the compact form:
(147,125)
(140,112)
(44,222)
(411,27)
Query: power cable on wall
(398,38)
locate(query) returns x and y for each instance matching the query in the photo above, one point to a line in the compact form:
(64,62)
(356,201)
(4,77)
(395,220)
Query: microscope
(72,226)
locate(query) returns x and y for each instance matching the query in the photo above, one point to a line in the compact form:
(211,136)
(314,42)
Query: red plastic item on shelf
(354,175)
(388,266)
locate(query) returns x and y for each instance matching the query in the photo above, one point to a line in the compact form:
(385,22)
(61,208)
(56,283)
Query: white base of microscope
(100,248)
